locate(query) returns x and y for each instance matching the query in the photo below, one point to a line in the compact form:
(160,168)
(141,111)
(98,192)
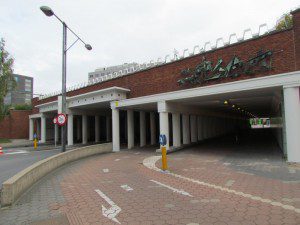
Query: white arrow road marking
(126,187)
(113,211)
(16,152)
(105,170)
(173,189)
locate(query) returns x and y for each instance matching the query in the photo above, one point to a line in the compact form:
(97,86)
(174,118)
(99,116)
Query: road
(16,159)
(217,182)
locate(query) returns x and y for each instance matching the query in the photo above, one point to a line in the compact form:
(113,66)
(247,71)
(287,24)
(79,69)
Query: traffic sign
(162,140)
(55,120)
(61,119)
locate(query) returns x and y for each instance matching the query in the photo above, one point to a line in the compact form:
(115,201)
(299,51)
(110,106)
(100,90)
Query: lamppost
(48,12)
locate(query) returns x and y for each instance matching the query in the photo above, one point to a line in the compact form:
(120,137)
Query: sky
(120,31)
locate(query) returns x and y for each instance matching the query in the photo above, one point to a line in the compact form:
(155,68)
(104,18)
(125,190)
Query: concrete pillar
(152,128)
(199,128)
(176,129)
(97,128)
(292,122)
(116,129)
(130,128)
(193,120)
(70,129)
(142,129)
(79,129)
(186,129)
(164,126)
(38,129)
(31,125)
(84,129)
(43,129)
(108,128)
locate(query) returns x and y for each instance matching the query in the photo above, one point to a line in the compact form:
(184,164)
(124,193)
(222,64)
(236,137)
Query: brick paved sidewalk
(117,188)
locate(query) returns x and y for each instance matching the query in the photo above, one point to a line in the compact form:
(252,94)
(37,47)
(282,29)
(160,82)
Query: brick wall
(15,125)
(164,78)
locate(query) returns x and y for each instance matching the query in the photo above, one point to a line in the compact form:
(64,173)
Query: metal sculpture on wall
(205,71)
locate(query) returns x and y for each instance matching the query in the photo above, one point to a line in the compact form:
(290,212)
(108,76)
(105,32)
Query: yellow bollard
(35,143)
(164,158)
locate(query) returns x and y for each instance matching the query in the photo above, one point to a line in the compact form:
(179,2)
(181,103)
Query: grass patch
(4,140)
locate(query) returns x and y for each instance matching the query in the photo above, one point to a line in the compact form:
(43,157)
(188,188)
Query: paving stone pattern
(70,191)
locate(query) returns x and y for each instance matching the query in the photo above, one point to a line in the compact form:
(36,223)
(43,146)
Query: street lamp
(48,12)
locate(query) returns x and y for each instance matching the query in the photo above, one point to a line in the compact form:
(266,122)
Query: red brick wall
(164,78)
(296,29)
(15,125)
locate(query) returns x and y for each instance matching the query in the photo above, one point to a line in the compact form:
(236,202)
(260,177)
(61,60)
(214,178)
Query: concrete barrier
(14,187)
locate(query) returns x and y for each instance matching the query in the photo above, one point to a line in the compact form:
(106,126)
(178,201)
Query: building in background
(23,92)
(125,68)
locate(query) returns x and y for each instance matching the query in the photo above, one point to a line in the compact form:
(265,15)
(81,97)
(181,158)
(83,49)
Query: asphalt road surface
(16,159)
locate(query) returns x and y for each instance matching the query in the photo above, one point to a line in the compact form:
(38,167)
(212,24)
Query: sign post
(163,142)
(55,130)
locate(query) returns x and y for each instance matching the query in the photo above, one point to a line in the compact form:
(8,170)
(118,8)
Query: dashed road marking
(169,205)
(182,192)
(291,170)
(137,153)
(126,187)
(229,183)
(113,211)
(105,170)
(150,163)
(16,152)
(117,160)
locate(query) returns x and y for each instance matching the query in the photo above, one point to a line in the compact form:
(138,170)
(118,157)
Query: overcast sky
(120,31)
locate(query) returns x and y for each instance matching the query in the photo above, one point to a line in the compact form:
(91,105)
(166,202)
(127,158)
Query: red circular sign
(61,119)
(55,120)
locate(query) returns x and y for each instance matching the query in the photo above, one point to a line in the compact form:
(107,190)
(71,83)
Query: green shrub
(22,107)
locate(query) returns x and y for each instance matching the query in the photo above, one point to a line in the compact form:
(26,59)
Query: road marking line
(126,187)
(16,152)
(105,170)
(113,211)
(150,163)
(229,183)
(137,153)
(182,192)
(117,160)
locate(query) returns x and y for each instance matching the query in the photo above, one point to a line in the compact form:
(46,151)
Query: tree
(7,81)
(285,22)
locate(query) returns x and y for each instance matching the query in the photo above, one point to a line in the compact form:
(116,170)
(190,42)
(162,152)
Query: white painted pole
(164,127)
(31,125)
(186,129)
(142,129)
(97,128)
(130,128)
(84,129)
(116,130)
(292,122)
(193,128)
(55,134)
(176,129)
(152,128)
(70,129)
(43,129)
